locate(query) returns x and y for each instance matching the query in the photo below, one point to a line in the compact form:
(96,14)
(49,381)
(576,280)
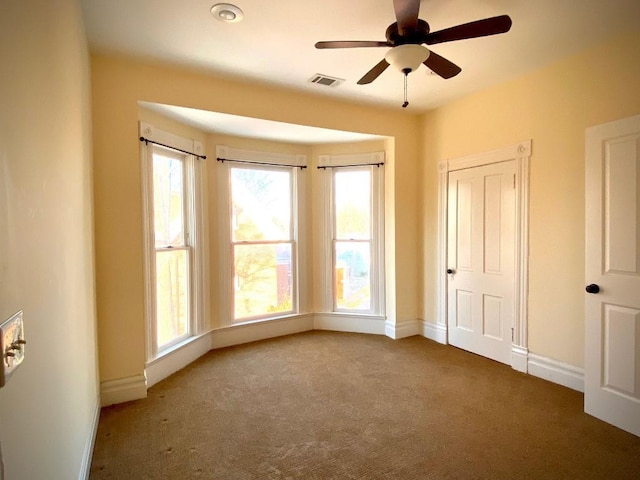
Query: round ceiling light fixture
(226,12)
(408,57)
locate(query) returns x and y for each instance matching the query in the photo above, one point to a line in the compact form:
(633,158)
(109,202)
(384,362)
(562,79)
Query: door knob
(593,288)
(450,271)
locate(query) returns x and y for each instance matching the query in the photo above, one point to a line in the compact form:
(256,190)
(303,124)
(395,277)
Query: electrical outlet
(12,346)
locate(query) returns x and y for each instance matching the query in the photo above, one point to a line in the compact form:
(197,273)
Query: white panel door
(480,251)
(612,305)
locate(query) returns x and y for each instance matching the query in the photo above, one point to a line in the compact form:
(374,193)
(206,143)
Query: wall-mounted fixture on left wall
(12,344)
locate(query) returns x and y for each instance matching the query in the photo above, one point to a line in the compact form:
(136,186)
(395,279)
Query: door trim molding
(521,153)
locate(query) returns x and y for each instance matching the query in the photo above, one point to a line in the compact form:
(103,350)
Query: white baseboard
(177,359)
(557,372)
(123,390)
(519,358)
(349,323)
(251,332)
(87,454)
(434,331)
(401,329)
(523,361)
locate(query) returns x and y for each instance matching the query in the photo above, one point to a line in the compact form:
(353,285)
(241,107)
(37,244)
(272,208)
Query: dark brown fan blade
(479,28)
(407,14)
(351,44)
(374,73)
(442,66)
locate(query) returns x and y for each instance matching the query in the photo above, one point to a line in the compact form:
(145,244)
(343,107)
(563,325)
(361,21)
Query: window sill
(353,315)
(174,348)
(176,357)
(254,321)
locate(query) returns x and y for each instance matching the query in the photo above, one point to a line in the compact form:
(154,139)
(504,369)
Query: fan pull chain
(406,74)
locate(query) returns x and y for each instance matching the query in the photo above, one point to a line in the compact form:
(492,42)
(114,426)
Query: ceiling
(274,43)
(226,124)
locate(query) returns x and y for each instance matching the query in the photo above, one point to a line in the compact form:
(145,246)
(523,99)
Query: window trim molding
(351,159)
(283,159)
(170,139)
(196,211)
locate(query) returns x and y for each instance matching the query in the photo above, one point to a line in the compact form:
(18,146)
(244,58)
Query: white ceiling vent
(326,80)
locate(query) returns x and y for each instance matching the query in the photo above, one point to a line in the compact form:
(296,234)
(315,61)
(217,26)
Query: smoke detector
(226,12)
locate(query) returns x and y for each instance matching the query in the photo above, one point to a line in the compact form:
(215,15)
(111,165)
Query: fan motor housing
(417,35)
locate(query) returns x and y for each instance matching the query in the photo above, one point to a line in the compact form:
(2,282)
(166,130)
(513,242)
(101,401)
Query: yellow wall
(118,84)
(552,106)
(48,408)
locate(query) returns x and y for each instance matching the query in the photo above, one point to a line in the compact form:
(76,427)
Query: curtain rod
(147,141)
(222,160)
(352,165)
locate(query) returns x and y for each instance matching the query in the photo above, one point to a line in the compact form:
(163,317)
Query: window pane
(353,267)
(261,204)
(353,204)
(168,206)
(263,283)
(172,300)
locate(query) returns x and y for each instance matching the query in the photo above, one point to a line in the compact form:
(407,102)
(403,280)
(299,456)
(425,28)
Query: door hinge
(512,334)
(514,181)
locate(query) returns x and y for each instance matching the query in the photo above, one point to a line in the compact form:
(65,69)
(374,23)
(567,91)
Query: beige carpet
(326,405)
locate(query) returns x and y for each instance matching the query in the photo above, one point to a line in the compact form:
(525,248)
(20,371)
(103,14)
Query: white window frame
(195,236)
(329,164)
(234,157)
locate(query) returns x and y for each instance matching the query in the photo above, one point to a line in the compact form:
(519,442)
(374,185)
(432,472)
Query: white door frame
(521,153)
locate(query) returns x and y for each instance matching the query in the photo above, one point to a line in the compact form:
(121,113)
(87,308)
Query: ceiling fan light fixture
(227,12)
(408,57)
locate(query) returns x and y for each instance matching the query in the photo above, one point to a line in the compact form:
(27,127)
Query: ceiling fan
(407,35)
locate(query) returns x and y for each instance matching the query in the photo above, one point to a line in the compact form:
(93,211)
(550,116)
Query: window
(261,235)
(354,234)
(173,256)
(262,241)
(173,241)
(352,241)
